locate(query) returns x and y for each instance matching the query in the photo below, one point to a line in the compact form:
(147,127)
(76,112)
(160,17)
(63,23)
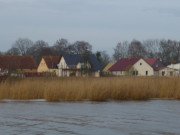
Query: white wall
(168,72)
(141,66)
(62,65)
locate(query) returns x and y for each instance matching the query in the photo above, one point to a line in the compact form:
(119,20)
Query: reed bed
(91,89)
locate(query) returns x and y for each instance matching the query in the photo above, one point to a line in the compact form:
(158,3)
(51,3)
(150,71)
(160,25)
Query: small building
(48,64)
(166,71)
(176,67)
(132,66)
(79,65)
(17,64)
(106,70)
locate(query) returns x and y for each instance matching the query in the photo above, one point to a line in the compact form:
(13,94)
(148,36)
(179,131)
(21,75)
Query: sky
(102,23)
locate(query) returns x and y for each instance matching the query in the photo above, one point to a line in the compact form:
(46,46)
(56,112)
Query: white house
(79,65)
(132,66)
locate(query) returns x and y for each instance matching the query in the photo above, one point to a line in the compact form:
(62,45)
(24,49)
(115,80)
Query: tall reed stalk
(91,89)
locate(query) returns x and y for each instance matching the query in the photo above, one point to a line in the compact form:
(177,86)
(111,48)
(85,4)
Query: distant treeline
(167,50)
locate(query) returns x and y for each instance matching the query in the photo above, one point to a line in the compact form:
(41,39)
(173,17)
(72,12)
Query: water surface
(154,117)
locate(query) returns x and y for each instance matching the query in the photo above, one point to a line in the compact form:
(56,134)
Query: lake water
(154,117)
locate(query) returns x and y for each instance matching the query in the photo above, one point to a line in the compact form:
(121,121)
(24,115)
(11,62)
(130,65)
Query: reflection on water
(110,118)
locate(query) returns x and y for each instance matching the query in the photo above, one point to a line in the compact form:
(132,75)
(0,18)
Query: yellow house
(49,64)
(106,70)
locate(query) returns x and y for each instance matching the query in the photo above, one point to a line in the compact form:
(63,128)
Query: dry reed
(91,89)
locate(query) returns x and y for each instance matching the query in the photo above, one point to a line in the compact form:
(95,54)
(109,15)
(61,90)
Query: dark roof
(52,61)
(123,64)
(17,62)
(74,59)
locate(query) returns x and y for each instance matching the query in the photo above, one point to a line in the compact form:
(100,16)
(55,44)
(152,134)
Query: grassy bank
(92,89)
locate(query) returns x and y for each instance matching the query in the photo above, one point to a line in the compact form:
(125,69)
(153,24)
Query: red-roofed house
(132,66)
(17,64)
(159,68)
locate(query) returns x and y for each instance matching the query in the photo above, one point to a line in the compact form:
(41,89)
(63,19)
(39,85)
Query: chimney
(129,57)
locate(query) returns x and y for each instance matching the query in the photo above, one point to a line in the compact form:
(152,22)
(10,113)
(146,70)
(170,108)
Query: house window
(163,73)
(171,73)
(146,72)
(140,63)
(135,73)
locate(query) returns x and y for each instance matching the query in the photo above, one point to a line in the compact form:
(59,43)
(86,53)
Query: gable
(62,63)
(142,65)
(143,68)
(51,61)
(42,66)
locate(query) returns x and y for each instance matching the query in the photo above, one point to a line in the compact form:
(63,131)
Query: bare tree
(22,45)
(152,47)
(136,49)
(13,51)
(169,51)
(61,46)
(81,47)
(39,49)
(177,52)
(121,50)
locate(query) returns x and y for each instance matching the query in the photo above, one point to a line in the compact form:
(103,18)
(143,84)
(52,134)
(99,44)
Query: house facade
(17,64)
(131,66)
(143,67)
(79,65)
(166,71)
(48,64)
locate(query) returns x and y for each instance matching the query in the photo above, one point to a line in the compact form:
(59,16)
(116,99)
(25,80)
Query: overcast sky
(103,23)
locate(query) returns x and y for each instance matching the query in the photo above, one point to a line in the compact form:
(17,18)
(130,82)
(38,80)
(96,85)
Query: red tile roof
(159,68)
(123,64)
(151,61)
(17,62)
(52,61)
